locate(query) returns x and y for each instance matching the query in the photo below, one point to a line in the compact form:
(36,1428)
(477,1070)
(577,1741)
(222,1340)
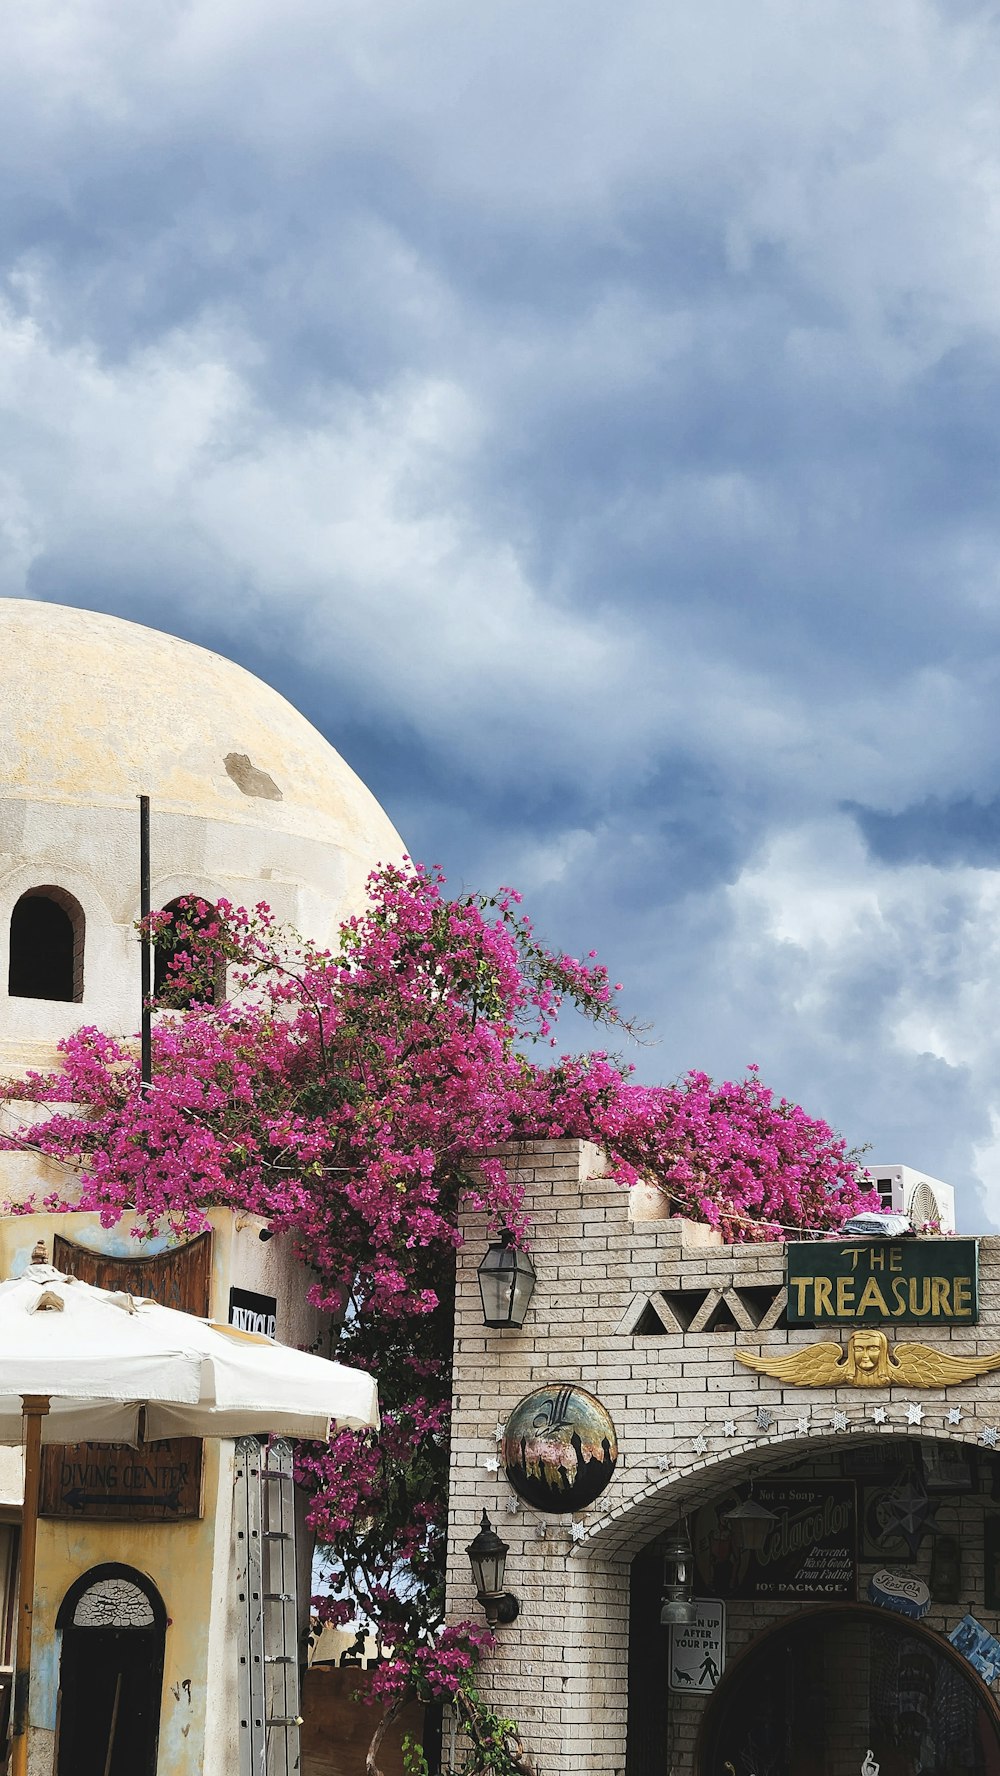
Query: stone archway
(669,1493)
(818,1693)
(625,1550)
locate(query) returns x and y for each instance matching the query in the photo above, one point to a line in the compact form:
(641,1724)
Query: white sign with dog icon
(698,1648)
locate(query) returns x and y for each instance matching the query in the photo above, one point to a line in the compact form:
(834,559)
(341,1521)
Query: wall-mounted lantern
(506,1283)
(488,1557)
(678,1609)
(750,1523)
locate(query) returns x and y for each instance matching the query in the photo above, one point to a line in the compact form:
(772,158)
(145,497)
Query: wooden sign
(810,1552)
(147,1482)
(922,1282)
(180,1278)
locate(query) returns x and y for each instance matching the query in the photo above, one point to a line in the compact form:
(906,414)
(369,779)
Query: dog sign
(698,1648)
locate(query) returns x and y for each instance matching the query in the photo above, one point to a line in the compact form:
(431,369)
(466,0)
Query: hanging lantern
(488,1558)
(506,1283)
(750,1523)
(678,1609)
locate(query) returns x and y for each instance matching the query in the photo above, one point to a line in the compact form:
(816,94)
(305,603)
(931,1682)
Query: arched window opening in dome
(189,913)
(47,929)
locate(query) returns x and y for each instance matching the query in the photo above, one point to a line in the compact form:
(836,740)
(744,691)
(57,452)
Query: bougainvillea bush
(352,1097)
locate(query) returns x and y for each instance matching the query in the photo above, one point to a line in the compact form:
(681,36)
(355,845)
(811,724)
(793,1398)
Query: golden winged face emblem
(869,1362)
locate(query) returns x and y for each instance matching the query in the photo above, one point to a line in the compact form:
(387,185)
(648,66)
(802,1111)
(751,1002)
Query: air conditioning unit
(904,1191)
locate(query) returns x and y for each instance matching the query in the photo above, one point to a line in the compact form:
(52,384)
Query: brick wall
(561,1669)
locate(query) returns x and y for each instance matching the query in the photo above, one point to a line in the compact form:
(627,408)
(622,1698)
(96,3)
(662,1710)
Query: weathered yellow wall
(179,1558)
(190,1563)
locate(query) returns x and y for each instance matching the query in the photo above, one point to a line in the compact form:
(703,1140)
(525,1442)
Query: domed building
(157,1649)
(248,803)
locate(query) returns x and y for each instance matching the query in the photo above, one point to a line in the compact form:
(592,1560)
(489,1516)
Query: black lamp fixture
(488,1557)
(678,1610)
(506,1283)
(750,1522)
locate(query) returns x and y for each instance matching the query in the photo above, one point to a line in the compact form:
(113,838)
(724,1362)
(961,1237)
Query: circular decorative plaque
(559,1448)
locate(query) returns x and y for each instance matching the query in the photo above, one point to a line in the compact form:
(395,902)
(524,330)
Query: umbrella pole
(35,1407)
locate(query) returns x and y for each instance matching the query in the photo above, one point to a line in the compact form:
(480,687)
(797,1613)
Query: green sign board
(922,1282)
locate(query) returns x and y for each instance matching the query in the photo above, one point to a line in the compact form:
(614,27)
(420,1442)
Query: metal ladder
(264,1511)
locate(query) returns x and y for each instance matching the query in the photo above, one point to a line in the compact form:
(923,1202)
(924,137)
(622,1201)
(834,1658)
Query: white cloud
(893,972)
(558,384)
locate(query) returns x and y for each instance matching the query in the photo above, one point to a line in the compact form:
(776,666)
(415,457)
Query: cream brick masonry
(561,1668)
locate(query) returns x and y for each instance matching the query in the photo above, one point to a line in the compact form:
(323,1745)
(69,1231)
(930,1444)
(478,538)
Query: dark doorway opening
(46,947)
(110,1675)
(815,1695)
(187,916)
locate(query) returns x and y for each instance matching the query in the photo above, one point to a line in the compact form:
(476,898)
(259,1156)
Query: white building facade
(805,1657)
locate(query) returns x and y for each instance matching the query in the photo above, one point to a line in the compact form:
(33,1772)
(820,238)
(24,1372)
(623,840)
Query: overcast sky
(588,414)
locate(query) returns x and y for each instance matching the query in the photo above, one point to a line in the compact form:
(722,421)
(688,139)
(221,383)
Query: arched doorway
(113,1628)
(814,1695)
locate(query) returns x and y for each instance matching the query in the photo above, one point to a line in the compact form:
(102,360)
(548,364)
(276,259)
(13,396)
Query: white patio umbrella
(80,1363)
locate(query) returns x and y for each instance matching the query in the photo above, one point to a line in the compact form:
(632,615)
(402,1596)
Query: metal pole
(35,1407)
(146,948)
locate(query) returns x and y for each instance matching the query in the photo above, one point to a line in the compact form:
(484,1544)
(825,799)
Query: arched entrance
(113,1628)
(812,1696)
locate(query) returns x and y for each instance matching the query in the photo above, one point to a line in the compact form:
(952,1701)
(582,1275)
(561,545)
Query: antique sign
(698,1649)
(811,1552)
(898,1592)
(154,1481)
(157,1482)
(559,1448)
(979,1646)
(179,1278)
(925,1282)
(253,1313)
(869,1362)
(897,1518)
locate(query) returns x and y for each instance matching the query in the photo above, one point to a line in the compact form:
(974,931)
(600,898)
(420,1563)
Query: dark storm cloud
(936,832)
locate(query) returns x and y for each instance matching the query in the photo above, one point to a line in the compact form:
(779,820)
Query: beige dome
(97,711)
(248,803)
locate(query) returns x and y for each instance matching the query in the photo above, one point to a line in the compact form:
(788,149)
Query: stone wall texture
(686,1415)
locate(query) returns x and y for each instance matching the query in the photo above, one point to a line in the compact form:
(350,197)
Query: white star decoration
(578,1531)
(729,1427)
(954,1415)
(491,1464)
(540,1529)
(988,1436)
(802,1423)
(498,1433)
(840,1421)
(765,1418)
(513,1506)
(879,1414)
(914,1412)
(664,1462)
(700,1445)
